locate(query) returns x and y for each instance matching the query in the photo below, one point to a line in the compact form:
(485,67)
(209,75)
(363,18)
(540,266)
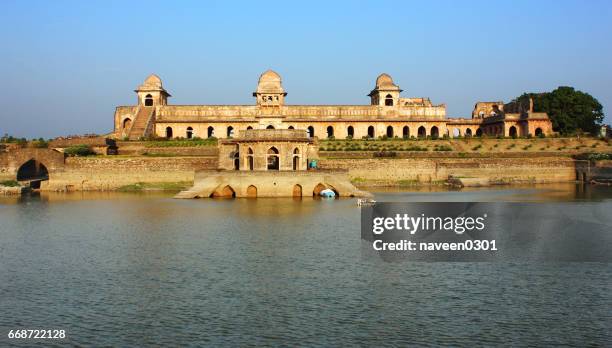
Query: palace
(388,115)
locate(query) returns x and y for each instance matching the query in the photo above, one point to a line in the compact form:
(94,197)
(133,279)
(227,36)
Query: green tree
(570,111)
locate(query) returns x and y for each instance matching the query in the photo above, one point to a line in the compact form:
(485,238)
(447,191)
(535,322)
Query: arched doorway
(226,192)
(230,131)
(210,132)
(468,132)
(148,100)
(371,132)
(350,132)
(479,132)
(249,127)
(236,160)
(127,123)
(189,132)
(538,132)
(168,132)
(434,132)
(270,127)
(34,172)
(296,159)
(330,132)
(251,192)
(320,187)
(512,132)
(310,131)
(388,100)
(389,132)
(290,127)
(297,190)
(456,133)
(273,160)
(422,132)
(405,132)
(250,159)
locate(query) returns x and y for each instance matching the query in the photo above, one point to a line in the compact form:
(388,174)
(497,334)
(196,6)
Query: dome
(270,82)
(270,76)
(384,80)
(153,81)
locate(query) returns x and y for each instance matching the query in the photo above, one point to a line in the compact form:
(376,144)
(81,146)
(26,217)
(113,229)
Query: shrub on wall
(79,150)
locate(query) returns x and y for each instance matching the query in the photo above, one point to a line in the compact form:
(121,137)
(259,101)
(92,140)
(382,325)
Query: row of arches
(252,192)
(421,132)
(273,161)
(389,132)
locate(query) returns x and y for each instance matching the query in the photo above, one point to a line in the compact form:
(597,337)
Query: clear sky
(67,64)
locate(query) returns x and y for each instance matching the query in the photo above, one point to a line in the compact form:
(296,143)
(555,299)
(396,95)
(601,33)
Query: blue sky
(67,64)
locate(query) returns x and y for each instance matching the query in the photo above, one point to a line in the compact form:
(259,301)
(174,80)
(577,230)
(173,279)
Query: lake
(143,269)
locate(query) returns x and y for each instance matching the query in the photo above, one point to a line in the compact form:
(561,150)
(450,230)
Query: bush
(385,154)
(40,143)
(9,183)
(443,148)
(79,150)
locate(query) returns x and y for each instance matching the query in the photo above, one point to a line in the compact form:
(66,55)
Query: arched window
(290,127)
(389,132)
(230,131)
(270,127)
(148,100)
(127,123)
(422,133)
(311,132)
(168,132)
(371,132)
(273,160)
(189,132)
(434,132)
(249,127)
(211,132)
(512,132)
(350,132)
(389,100)
(330,132)
(468,132)
(405,132)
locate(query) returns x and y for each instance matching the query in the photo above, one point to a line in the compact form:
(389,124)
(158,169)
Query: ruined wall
(83,173)
(496,170)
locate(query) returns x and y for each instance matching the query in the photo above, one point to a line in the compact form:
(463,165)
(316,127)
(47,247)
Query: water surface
(124,269)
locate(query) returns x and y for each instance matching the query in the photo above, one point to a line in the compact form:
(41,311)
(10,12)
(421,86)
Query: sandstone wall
(496,170)
(83,173)
(108,173)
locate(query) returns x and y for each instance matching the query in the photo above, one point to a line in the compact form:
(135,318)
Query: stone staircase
(142,122)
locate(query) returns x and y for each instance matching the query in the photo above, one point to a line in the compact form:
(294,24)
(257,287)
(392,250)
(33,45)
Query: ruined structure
(388,114)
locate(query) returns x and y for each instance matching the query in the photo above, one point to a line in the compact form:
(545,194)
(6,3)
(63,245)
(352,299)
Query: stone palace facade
(388,114)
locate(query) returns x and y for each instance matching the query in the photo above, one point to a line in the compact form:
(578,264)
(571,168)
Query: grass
(156,186)
(9,183)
